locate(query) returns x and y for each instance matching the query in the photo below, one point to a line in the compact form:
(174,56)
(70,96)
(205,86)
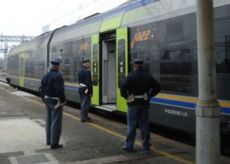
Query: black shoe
(146,149)
(88,118)
(127,149)
(56,146)
(85,120)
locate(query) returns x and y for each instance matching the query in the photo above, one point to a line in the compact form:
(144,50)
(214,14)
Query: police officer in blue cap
(138,88)
(86,88)
(52,92)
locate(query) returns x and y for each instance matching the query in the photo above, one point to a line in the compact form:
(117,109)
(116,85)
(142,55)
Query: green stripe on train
(111,23)
(95,41)
(136,15)
(121,34)
(21,69)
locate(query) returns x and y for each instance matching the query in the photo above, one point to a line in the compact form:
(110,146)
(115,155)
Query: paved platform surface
(22,137)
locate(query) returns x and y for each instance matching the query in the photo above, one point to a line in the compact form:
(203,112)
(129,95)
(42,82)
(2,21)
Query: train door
(109,66)
(95,69)
(108,71)
(21,69)
(122,64)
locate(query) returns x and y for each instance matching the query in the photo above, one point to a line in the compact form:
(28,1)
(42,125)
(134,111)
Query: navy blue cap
(84,59)
(138,61)
(56,62)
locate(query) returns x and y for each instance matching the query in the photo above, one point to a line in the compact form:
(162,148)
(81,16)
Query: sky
(27,17)
(30,17)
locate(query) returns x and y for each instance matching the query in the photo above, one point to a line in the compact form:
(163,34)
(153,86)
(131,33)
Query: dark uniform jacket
(52,85)
(138,83)
(84,77)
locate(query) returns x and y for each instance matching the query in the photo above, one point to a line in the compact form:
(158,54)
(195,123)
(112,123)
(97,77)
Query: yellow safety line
(168,155)
(163,153)
(4,89)
(97,126)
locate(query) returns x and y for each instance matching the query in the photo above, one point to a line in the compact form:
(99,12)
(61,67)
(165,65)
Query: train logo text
(141,36)
(84,46)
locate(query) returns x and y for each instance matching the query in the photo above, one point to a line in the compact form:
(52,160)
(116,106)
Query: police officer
(52,92)
(138,88)
(85,90)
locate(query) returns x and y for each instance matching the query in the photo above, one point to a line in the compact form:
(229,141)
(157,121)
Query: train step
(109,108)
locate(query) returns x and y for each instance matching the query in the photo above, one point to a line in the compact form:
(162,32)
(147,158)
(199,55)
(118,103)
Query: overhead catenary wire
(78,12)
(43,16)
(35,25)
(87,10)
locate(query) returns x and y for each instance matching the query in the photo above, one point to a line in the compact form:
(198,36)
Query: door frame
(21,69)
(122,65)
(95,69)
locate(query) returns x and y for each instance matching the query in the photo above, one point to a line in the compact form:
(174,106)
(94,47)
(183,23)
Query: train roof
(33,44)
(97,17)
(106,21)
(128,14)
(129,5)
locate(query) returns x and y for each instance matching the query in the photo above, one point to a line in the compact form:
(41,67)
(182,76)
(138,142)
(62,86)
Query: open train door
(122,59)
(95,69)
(21,69)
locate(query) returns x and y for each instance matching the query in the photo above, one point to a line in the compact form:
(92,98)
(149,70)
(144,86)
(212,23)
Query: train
(161,32)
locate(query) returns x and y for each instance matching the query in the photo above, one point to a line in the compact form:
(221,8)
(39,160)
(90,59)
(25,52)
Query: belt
(132,97)
(82,85)
(138,96)
(85,86)
(54,98)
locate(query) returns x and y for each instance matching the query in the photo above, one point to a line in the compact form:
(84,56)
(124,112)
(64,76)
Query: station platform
(22,137)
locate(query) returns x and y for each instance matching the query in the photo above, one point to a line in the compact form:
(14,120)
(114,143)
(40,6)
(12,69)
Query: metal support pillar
(207,109)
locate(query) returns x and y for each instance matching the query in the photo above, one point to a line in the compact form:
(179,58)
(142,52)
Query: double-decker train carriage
(162,32)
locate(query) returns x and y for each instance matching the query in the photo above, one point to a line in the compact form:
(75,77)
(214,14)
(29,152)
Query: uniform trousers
(53,122)
(138,115)
(85,104)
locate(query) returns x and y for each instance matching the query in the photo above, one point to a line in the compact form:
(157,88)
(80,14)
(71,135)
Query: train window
(222,45)
(95,64)
(175,30)
(142,55)
(42,61)
(121,61)
(222,51)
(65,52)
(79,49)
(54,53)
(223,56)
(176,70)
(16,64)
(68,60)
(12,65)
(27,65)
(35,71)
